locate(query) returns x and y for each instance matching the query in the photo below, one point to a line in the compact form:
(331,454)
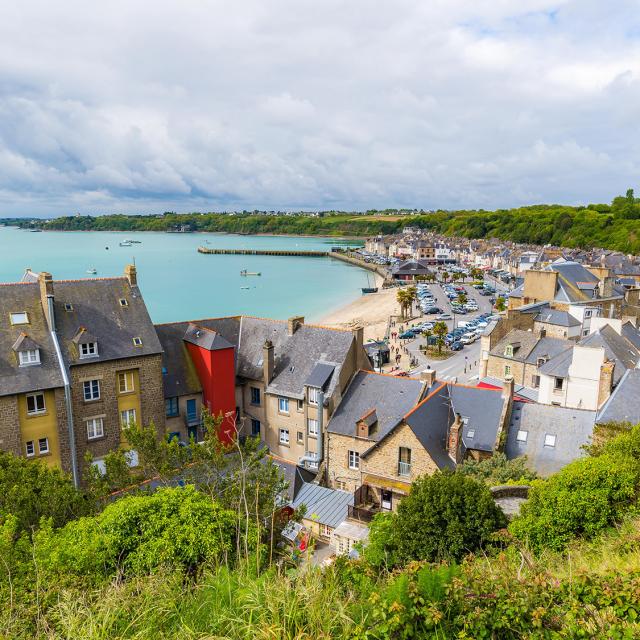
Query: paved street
(462,365)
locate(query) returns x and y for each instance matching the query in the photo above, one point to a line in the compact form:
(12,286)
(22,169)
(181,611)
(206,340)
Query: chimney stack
(358,334)
(605,385)
(45,280)
(453,441)
(429,376)
(507,387)
(606,286)
(131,273)
(293,324)
(267,362)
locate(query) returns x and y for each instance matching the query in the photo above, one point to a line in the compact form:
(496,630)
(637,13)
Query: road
(462,365)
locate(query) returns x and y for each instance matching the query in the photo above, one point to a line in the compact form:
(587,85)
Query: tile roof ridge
(11,284)
(164,324)
(388,375)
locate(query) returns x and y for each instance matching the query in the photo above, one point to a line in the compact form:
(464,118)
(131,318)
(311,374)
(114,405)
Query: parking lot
(465,338)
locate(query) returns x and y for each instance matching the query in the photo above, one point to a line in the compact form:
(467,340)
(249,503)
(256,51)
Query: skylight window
(19,317)
(124,302)
(471,433)
(522,436)
(137,341)
(550,440)
(68,306)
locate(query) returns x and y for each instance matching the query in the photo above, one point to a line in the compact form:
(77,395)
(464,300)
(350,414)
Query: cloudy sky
(146,106)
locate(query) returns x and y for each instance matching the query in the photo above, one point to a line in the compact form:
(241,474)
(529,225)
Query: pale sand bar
(372,311)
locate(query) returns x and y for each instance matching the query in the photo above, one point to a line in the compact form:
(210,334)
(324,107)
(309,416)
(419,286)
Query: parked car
(444,316)
(431,310)
(468,338)
(407,335)
(456,346)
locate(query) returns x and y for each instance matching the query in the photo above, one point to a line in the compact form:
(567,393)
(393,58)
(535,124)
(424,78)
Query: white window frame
(522,436)
(137,341)
(92,385)
(127,376)
(43,451)
(555,383)
(353,458)
(313,395)
(16,317)
(507,370)
(550,440)
(33,448)
(300,437)
(283,402)
(37,411)
(125,417)
(95,428)
(312,432)
(88,350)
(283,436)
(29,357)
(588,313)
(325,530)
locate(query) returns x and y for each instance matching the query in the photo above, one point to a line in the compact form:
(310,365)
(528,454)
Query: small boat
(244,272)
(134,241)
(245,287)
(369,289)
(35,230)
(125,243)
(92,271)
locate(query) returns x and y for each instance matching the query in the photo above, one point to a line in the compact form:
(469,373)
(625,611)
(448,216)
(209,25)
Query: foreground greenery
(612,226)
(173,563)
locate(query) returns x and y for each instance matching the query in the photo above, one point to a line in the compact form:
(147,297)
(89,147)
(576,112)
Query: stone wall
(10,439)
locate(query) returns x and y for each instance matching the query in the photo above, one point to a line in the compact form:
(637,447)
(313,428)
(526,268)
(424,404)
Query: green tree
(581,500)
(30,490)
(173,527)
(440,330)
(498,470)
(462,298)
(444,517)
(501,303)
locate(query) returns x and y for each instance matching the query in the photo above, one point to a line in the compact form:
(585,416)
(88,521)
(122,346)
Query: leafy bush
(30,490)
(176,527)
(498,470)
(445,516)
(583,499)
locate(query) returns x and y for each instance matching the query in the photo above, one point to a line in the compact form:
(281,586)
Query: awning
(386,483)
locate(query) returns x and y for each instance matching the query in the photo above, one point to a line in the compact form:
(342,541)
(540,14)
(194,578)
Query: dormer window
(68,307)
(88,349)
(19,317)
(137,342)
(29,356)
(508,351)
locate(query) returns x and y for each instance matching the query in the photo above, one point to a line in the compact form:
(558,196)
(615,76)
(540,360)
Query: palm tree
(444,275)
(462,298)
(404,300)
(440,329)
(412,296)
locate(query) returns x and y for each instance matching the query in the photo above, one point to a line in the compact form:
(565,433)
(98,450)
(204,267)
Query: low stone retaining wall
(510,491)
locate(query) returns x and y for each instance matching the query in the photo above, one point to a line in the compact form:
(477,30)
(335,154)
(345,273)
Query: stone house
(79,359)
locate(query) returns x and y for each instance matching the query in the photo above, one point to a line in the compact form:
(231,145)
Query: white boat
(92,271)
(126,243)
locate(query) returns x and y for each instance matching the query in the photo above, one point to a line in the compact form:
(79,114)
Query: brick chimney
(293,324)
(131,273)
(267,362)
(605,384)
(429,376)
(454,440)
(45,280)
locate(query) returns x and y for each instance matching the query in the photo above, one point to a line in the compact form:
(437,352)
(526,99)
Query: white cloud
(147,106)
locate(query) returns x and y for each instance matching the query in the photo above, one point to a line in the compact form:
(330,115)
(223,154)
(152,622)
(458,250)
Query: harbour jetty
(264,252)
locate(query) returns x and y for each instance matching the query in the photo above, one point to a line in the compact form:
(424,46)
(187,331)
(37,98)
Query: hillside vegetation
(199,561)
(614,226)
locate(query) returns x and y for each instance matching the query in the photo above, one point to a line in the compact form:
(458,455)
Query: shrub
(584,498)
(498,470)
(445,516)
(30,490)
(176,527)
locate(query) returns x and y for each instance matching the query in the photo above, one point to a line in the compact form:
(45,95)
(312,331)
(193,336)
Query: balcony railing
(404,468)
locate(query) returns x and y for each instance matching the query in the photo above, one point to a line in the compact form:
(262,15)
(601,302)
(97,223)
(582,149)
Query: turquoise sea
(178,283)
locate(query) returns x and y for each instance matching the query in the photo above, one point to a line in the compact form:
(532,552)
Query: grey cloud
(140,106)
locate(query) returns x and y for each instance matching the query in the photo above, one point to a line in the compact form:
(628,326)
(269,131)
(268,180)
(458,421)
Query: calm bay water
(178,283)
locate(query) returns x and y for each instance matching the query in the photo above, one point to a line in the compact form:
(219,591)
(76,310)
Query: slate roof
(295,356)
(391,397)
(631,334)
(549,348)
(558,365)
(518,390)
(179,373)
(14,379)
(527,341)
(616,348)
(623,404)
(557,317)
(411,268)
(320,375)
(295,476)
(96,307)
(572,429)
(208,339)
(325,506)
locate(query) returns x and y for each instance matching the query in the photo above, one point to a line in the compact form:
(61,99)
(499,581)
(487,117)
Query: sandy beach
(372,311)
